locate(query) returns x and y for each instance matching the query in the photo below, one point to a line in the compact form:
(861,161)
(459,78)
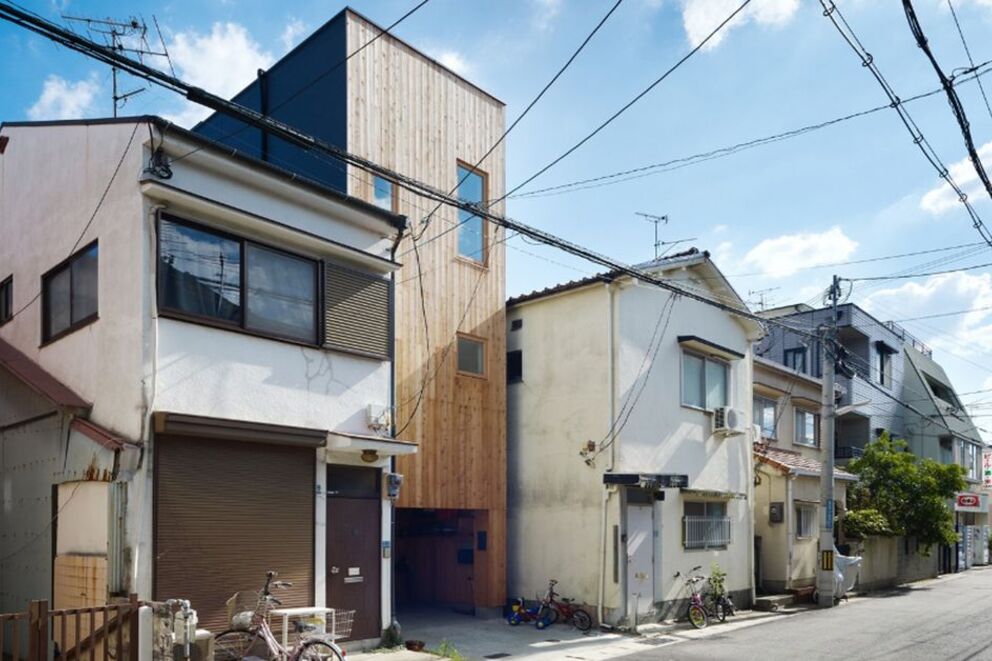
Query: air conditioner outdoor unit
(728,421)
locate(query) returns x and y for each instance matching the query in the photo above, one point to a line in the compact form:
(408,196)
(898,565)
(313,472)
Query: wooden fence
(97,633)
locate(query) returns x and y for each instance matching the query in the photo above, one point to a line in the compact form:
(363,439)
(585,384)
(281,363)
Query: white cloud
(292,32)
(719,229)
(61,99)
(222,62)
(454,61)
(965,335)
(700,17)
(545,13)
(723,253)
(942,198)
(782,256)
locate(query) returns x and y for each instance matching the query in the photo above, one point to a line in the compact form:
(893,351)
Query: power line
(831,11)
(943,314)
(722,152)
(918,275)
(967,51)
(526,110)
(316,80)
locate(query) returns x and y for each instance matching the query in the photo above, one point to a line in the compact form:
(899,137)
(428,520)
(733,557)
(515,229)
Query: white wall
(81,529)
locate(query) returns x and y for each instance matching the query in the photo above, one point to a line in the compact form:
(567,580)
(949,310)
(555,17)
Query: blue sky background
(853,191)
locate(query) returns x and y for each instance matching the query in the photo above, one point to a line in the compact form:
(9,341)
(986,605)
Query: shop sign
(970,502)
(987,469)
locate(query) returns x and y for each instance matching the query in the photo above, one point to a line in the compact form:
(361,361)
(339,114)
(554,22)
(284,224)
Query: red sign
(968,500)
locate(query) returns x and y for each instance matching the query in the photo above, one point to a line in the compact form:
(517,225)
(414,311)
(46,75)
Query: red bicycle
(553,610)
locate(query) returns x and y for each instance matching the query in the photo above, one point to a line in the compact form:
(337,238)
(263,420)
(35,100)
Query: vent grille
(357,311)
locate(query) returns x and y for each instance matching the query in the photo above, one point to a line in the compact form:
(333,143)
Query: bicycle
(552,610)
(700,611)
(250,635)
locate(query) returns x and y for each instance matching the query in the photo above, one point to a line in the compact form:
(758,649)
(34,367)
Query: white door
(640,558)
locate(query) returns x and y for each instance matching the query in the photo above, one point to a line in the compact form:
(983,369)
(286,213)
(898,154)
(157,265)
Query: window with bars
(705,525)
(805,521)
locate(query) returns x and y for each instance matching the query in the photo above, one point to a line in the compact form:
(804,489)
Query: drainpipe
(392,431)
(607,491)
(789,538)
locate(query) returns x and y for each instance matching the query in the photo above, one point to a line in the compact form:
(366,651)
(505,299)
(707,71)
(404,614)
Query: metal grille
(705,532)
(357,311)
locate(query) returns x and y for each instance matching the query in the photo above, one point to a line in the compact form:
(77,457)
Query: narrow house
(788,462)
(201,354)
(369,92)
(629,438)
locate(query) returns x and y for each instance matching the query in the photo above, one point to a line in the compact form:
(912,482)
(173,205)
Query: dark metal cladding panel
(358,311)
(225,513)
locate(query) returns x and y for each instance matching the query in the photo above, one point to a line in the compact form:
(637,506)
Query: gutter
(392,423)
(607,490)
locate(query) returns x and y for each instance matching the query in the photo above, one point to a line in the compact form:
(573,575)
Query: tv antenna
(657,220)
(761,294)
(128,36)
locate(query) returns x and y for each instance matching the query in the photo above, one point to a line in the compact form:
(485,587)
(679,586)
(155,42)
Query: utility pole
(828,355)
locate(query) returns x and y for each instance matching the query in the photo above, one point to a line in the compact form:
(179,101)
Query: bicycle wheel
(235,644)
(697,616)
(547,614)
(581,620)
(319,650)
(720,610)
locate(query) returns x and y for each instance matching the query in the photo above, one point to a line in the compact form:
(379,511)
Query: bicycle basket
(241,610)
(339,624)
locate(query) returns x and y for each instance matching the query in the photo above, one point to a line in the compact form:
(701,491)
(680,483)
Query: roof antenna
(657,220)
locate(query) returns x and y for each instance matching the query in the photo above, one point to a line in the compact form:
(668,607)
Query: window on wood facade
(69,294)
(705,381)
(805,521)
(471,356)
(6,299)
(807,429)
(514,366)
(209,275)
(471,228)
(765,416)
(705,525)
(383,193)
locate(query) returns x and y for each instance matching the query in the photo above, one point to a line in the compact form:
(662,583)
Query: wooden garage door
(225,513)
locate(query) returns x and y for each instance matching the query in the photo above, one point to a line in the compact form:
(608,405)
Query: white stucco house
(629,429)
(196,368)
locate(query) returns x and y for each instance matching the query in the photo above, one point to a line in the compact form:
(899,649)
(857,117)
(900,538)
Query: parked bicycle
(555,610)
(717,604)
(250,635)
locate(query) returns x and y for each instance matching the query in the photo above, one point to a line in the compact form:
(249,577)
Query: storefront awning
(387,447)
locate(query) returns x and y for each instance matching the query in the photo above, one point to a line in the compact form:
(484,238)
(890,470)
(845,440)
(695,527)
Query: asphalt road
(947,618)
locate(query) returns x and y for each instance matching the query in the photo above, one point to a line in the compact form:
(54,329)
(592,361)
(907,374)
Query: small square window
(807,428)
(6,299)
(704,381)
(383,193)
(765,416)
(471,356)
(69,294)
(805,521)
(796,359)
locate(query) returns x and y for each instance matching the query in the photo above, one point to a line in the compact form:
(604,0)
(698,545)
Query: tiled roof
(37,379)
(608,276)
(793,462)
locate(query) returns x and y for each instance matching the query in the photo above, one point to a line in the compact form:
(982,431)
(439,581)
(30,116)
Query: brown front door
(354,531)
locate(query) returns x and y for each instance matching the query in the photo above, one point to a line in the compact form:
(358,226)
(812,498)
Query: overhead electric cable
(831,11)
(918,275)
(943,314)
(967,51)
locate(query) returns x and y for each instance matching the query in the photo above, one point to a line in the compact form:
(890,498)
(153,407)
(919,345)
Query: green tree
(910,494)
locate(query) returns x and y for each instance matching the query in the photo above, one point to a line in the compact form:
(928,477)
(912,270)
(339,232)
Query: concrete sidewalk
(493,638)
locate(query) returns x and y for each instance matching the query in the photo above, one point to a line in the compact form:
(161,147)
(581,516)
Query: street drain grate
(658,640)
(497,655)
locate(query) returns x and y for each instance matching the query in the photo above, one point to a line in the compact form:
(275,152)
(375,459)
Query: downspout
(392,426)
(789,526)
(607,491)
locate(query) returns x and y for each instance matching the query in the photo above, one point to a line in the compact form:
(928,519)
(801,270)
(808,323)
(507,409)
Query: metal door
(640,559)
(354,531)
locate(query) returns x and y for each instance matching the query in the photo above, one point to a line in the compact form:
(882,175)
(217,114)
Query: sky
(779,219)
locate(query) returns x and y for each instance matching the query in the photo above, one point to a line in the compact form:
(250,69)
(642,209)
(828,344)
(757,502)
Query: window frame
(704,545)
(706,359)
(240,326)
(775,416)
(394,201)
(66,264)
(7,292)
(816,427)
(884,368)
(483,262)
(796,351)
(811,511)
(485,356)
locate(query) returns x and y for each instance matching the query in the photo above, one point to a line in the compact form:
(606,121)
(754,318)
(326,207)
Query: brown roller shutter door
(225,513)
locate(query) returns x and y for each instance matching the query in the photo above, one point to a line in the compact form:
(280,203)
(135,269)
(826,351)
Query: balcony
(847,452)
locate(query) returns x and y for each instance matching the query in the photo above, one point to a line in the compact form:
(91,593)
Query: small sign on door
(354,571)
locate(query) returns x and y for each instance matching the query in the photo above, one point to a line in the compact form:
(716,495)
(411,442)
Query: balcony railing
(706,532)
(906,337)
(848,452)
